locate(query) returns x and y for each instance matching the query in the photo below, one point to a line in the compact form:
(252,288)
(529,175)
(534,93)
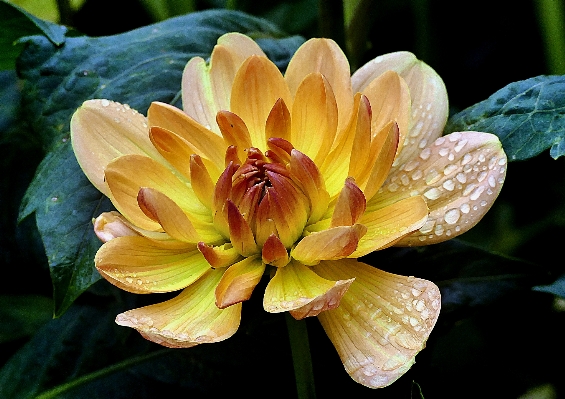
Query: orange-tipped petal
(222,192)
(258,85)
(323,56)
(385,226)
(427,92)
(296,288)
(274,252)
(314,118)
(459,175)
(383,321)
(201,181)
(189,319)
(350,205)
(234,132)
(334,243)
(206,143)
(102,131)
(140,265)
(278,122)
(222,256)
(238,282)
(241,235)
(110,225)
(305,172)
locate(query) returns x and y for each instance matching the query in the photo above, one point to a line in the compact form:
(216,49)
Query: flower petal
(278,122)
(350,205)
(219,256)
(334,243)
(189,319)
(258,85)
(383,321)
(234,131)
(323,56)
(385,226)
(460,176)
(238,281)
(241,235)
(140,265)
(110,225)
(296,288)
(103,130)
(128,174)
(205,143)
(427,91)
(201,181)
(274,252)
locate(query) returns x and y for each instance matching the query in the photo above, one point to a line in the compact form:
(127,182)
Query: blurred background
(501,333)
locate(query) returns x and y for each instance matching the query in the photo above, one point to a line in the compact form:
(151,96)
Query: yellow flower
(303,172)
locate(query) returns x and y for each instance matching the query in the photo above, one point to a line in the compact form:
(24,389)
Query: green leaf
(528,116)
(16,23)
(135,68)
(556,288)
(23,315)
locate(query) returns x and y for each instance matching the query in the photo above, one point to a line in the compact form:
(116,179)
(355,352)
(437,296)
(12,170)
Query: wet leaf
(528,116)
(23,315)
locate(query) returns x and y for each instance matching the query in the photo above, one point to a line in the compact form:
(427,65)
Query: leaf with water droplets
(528,116)
(133,68)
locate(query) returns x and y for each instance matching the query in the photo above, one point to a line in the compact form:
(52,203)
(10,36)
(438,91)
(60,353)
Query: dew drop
(439,141)
(392,187)
(469,188)
(465,208)
(425,154)
(104,103)
(449,185)
(432,177)
(428,226)
(432,193)
(411,165)
(466,159)
(443,152)
(453,137)
(452,216)
(461,178)
(417,174)
(450,169)
(405,180)
(438,230)
(482,176)
(460,145)
(492,181)
(477,193)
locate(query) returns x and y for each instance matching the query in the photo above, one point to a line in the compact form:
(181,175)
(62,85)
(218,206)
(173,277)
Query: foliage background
(500,333)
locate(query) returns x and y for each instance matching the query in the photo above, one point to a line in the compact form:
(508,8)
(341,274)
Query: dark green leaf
(22,316)
(136,68)
(556,288)
(16,23)
(528,116)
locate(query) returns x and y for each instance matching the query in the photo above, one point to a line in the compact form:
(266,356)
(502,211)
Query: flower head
(302,173)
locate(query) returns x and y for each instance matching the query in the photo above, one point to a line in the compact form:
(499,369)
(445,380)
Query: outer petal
(296,288)
(323,56)
(427,91)
(460,176)
(385,226)
(109,225)
(140,265)
(258,85)
(383,321)
(103,130)
(187,320)
(238,282)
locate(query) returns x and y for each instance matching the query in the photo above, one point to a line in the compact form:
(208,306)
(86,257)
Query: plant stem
(551,20)
(300,348)
(330,21)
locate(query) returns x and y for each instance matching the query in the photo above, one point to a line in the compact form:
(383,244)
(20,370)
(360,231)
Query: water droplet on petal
(452,216)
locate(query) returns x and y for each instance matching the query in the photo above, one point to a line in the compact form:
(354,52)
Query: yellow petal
(334,243)
(389,96)
(140,265)
(205,143)
(383,321)
(219,256)
(103,130)
(278,122)
(128,174)
(201,181)
(350,205)
(459,175)
(296,288)
(189,319)
(314,118)
(234,131)
(427,91)
(274,252)
(323,56)
(257,87)
(385,226)
(238,282)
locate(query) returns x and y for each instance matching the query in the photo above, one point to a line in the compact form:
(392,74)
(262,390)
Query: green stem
(551,20)
(300,348)
(65,12)
(330,20)
(55,392)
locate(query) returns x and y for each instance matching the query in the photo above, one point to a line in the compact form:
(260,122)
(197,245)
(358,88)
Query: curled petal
(238,282)
(140,265)
(325,57)
(241,235)
(201,181)
(383,321)
(110,225)
(350,205)
(222,192)
(427,92)
(274,252)
(221,256)
(334,243)
(189,319)
(234,131)
(102,131)
(296,288)
(385,226)
(459,175)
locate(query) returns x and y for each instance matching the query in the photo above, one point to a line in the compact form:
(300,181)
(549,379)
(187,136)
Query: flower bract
(293,176)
